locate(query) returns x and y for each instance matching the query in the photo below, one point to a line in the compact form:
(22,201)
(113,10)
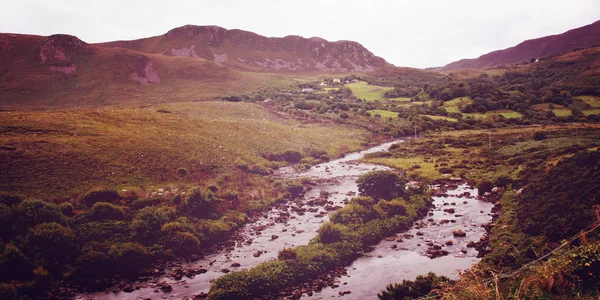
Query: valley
(222,164)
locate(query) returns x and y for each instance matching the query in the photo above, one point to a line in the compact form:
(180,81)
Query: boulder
(459,233)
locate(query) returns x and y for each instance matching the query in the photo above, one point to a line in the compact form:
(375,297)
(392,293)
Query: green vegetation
(549,178)
(383,113)
(363,90)
(364,221)
(420,287)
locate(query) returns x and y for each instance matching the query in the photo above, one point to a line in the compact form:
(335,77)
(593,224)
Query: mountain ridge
(552,45)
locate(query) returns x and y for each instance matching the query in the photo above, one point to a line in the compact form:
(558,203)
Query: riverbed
(296,223)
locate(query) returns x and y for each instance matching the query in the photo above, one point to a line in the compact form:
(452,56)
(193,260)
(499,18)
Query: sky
(415,33)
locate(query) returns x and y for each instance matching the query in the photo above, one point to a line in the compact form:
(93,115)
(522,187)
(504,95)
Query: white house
(307,90)
(337,80)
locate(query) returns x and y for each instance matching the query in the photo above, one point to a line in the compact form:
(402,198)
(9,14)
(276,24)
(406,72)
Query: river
(295,224)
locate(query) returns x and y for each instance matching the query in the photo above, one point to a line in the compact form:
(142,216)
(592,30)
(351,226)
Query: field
(383,113)
(369,92)
(65,153)
(452,105)
(441,118)
(593,101)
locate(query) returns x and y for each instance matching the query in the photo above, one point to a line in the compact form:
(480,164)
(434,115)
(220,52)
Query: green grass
(593,101)
(400,99)
(441,118)
(426,169)
(62,153)
(561,112)
(508,114)
(366,91)
(452,105)
(383,113)
(588,112)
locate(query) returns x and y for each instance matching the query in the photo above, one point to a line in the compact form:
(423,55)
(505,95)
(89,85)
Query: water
(367,275)
(338,177)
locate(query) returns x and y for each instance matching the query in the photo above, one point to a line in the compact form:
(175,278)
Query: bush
(149,220)
(105,211)
(94,264)
(354,214)
(422,286)
(330,233)
(100,195)
(183,243)
(10,199)
(202,204)
(387,209)
(294,188)
(34,212)
(287,254)
(7,221)
(291,156)
(66,209)
(538,136)
(14,264)
(128,258)
(52,244)
(381,185)
(484,186)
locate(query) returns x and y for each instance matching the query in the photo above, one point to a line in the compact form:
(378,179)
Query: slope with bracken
(582,37)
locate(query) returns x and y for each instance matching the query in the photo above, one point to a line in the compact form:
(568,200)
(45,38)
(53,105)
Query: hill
(553,45)
(248,51)
(61,71)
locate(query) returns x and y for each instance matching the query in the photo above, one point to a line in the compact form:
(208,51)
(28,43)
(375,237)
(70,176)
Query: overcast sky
(415,33)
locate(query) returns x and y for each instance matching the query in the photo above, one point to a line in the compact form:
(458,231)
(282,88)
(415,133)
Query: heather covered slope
(61,71)
(582,37)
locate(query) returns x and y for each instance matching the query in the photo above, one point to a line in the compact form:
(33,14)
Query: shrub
(14,264)
(446,170)
(10,199)
(202,204)
(149,220)
(7,220)
(287,254)
(182,172)
(484,186)
(387,209)
(34,212)
(100,195)
(291,156)
(538,136)
(51,243)
(330,233)
(128,258)
(353,214)
(183,243)
(105,211)
(66,209)
(381,185)
(294,188)
(94,264)
(422,286)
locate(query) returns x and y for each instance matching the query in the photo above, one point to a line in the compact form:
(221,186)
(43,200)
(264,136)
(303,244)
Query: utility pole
(415,131)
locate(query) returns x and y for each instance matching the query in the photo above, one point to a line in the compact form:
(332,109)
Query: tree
(381,185)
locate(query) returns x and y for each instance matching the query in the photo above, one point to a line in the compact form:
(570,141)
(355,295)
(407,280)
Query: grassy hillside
(62,153)
(89,76)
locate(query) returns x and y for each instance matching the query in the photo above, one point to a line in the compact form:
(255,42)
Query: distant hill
(248,51)
(188,63)
(61,71)
(553,45)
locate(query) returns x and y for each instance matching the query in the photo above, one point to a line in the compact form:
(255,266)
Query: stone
(458,232)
